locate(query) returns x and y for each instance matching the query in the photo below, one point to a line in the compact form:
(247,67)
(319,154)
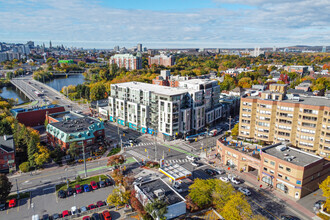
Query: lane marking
(264,209)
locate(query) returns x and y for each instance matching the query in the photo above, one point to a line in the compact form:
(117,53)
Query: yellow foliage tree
(118,197)
(325,187)
(237,208)
(42,155)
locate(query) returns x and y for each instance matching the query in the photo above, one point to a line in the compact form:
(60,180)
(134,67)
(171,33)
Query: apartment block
(287,169)
(164,110)
(164,60)
(275,117)
(128,61)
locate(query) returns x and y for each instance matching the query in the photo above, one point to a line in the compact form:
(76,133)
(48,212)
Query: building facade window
(267,179)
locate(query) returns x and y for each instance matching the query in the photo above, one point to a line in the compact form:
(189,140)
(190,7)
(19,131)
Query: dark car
(69,191)
(318,204)
(100,203)
(108,182)
(79,189)
(61,194)
(101,184)
(56,216)
(125,132)
(96,216)
(131,140)
(2,206)
(289,217)
(210,172)
(45,217)
(92,206)
(87,188)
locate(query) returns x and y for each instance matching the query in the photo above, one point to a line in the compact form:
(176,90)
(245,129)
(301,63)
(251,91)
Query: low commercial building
(149,191)
(287,169)
(68,127)
(35,116)
(7,154)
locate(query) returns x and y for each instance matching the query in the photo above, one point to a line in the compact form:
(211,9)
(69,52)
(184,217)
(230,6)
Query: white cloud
(269,23)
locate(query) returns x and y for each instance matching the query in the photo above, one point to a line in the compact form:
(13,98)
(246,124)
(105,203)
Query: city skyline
(170,24)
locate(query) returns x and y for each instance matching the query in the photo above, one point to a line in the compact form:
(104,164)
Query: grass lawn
(63,186)
(21,196)
(113,151)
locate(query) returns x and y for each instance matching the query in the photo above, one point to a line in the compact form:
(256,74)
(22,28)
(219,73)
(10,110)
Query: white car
(194,164)
(220,172)
(74,210)
(190,157)
(177,188)
(235,181)
(245,191)
(224,179)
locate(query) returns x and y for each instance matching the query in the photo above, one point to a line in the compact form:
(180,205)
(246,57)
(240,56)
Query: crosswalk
(141,144)
(136,154)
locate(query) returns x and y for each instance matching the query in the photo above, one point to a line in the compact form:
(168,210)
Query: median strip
(177,148)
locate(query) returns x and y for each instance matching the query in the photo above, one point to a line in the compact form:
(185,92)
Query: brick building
(293,172)
(128,61)
(163,60)
(35,116)
(7,154)
(67,127)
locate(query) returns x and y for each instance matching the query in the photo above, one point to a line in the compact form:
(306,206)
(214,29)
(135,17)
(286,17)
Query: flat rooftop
(290,154)
(78,124)
(175,171)
(148,188)
(162,90)
(16,111)
(63,115)
(306,100)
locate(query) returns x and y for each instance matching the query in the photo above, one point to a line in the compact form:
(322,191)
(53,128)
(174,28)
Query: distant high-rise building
(30,44)
(163,60)
(324,49)
(274,49)
(50,44)
(218,50)
(116,48)
(128,61)
(139,47)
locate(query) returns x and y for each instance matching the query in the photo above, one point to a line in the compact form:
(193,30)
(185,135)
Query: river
(58,83)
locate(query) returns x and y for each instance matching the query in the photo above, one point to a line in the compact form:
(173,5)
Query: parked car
(79,189)
(45,217)
(86,218)
(245,191)
(61,194)
(194,164)
(106,215)
(102,184)
(65,213)
(69,191)
(100,203)
(108,182)
(210,172)
(91,207)
(190,157)
(224,179)
(94,185)
(87,188)
(289,217)
(12,203)
(133,141)
(35,217)
(56,216)
(318,204)
(74,210)
(83,209)
(2,206)
(235,180)
(221,172)
(177,188)
(96,216)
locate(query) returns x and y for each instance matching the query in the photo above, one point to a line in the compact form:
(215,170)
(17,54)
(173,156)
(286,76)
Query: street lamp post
(84,156)
(17,189)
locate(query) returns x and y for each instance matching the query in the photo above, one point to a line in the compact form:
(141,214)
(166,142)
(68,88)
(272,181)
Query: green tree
(46,123)
(228,83)
(245,82)
(42,155)
(200,192)
(325,187)
(118,197)
(5,187)
(157,209)
(24,167)
(237,207)
(97,92)
(234,131)
(73,150)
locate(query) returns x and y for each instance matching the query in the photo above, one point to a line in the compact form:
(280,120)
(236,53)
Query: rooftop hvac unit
(160,193)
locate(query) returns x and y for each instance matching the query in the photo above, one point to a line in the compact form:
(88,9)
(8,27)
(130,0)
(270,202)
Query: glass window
(288,169)
(279,166)
(265,168)
(265,160)
(287,178)
(272,163)
(280,175)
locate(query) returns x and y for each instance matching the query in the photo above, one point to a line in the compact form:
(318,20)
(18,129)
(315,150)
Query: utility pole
(84,160)
(230,122)
(17,190)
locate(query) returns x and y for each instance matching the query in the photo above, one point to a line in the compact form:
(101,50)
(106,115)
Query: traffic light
(169,150)
(123,134)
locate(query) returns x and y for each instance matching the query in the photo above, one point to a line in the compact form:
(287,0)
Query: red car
(106,215)
(100,203)
(91,206)
(86,218)
(94,185)
(65,213)
(78,189)
(12,203)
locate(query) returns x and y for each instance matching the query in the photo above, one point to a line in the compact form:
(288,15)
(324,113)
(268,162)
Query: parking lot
(45,201)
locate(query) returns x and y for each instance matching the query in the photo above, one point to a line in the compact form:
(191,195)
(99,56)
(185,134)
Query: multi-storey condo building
(128,61)
(275,117)
(165,110)
(165,60)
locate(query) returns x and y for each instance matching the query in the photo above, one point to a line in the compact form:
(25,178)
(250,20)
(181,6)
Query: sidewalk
(251,181)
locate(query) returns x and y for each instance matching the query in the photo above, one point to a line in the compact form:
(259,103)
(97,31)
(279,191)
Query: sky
(166,23)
